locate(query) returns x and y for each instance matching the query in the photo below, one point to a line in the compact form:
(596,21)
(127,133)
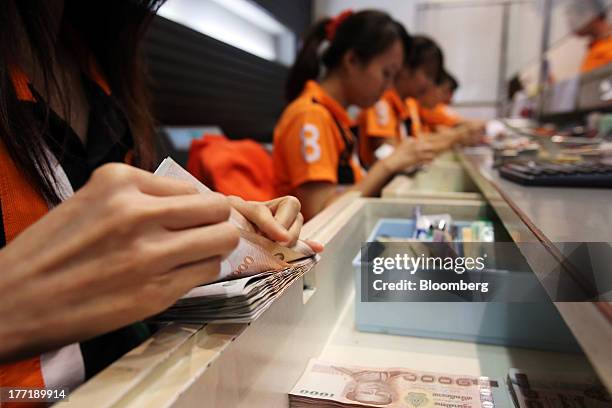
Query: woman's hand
(279,219)
(476,131)
(445,138)
(124,247)
(410,153)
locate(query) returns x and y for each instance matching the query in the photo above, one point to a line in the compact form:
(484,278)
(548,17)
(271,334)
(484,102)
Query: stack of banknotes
(251,277)
(330,385)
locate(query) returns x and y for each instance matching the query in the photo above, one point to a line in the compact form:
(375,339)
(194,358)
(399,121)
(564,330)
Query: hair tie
(334,23)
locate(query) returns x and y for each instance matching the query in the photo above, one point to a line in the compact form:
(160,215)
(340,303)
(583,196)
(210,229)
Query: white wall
(482,113)
(471,40)
(402,10)
(524,32)
(466,53)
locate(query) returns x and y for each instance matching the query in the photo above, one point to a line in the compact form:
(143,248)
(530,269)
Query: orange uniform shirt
(598,55)
(313,142)
(386,120)
(21,205)
(438,116)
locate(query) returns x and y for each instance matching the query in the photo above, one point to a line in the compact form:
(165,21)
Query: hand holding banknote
(255,253)
(279,219)
(126,246)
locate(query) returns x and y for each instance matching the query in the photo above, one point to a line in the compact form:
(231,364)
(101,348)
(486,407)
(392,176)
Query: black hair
(112,31)
(426,53)
(368,33)
(447,77)
(514,85)
(407,42)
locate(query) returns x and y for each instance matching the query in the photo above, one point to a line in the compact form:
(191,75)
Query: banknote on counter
(251,277)
(326,384)
(530,389)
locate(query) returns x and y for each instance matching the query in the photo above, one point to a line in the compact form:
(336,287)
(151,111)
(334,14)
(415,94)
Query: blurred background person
(391,120)
(588,18)
(435,110)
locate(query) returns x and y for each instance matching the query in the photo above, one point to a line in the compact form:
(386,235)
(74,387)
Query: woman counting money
(349,60)
(392,119)
(89,243)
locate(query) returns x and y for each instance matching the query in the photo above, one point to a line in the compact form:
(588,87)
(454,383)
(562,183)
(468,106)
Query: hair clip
(334,23)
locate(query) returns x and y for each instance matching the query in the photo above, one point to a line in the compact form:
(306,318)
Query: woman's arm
(465,134)
(124,247)
(406,154)
(315,196)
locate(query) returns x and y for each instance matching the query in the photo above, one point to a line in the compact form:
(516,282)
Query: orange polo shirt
(598,55)
(21,205)
(313,142)
(386,119)
(439,116)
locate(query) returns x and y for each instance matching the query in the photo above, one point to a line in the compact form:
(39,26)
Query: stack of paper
(235,301)
(330,385)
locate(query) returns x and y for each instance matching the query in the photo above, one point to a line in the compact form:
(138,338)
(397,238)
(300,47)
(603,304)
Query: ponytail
(367,33)
(306,65)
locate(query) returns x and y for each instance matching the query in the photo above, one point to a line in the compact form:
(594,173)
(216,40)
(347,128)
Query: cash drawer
(532,325)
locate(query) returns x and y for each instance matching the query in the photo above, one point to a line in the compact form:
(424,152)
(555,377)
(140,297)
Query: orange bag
(233,167)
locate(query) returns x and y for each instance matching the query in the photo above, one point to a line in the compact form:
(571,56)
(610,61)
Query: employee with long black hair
(349,60)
